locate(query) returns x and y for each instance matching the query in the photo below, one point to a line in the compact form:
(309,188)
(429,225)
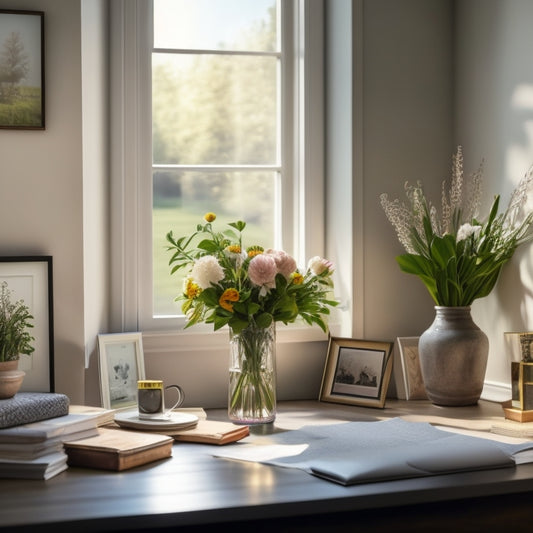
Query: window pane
(215,24)
(212,109)
(181,198)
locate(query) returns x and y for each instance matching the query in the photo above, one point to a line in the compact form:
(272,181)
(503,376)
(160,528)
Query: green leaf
(239,225)
(208,245)
(209,297)
(264,320)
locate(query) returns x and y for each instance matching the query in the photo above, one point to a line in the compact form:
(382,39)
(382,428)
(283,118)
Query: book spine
(114,460)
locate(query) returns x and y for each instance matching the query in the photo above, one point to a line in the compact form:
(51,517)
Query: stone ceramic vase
(453,354)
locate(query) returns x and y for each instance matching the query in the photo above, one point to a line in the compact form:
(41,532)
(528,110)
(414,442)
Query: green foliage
(24,109)
(458,260)
(232,297)
(15,320)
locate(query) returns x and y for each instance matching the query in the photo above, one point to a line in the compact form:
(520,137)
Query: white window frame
(303,204)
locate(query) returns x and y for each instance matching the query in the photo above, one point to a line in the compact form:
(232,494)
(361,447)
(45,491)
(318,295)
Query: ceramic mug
(151,398)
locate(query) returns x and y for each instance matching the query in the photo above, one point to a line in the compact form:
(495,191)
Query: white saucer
(174,420)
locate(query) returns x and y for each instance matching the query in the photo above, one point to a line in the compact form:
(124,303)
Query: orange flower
(229,296)
(209,217)
(252,251)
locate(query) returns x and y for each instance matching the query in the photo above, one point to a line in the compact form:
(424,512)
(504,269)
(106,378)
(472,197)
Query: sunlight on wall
(519,160)
(519,156)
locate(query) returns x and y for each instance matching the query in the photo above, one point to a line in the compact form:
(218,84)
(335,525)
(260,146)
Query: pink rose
(285,264)
(262,272)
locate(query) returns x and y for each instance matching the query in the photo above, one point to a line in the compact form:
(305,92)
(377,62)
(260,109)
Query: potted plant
(15,340)
(458,256)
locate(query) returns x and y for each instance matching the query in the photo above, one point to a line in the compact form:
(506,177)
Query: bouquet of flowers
(458,256)
(228,284)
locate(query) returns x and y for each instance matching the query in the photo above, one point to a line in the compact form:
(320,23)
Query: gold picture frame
(357,372)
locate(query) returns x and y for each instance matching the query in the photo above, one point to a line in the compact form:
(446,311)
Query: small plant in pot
(15,340)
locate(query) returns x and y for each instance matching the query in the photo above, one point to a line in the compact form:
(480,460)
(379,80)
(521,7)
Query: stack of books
(42,435)
(34,427)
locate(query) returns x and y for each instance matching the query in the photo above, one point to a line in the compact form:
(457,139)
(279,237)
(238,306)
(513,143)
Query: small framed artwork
(121,365)
(30,279)
(357,372)
(408,369)
(21,69)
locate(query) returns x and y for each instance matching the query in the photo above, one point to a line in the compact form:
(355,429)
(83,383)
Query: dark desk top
(195,489)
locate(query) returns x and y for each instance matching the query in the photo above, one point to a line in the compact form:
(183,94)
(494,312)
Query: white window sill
(202,337)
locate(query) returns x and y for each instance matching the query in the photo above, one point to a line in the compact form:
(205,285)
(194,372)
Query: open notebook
(362,452)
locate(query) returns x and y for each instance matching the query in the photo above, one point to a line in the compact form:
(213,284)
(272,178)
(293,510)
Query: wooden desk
(193,490)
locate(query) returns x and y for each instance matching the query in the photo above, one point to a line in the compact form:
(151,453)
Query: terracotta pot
(10,379)
(9,365)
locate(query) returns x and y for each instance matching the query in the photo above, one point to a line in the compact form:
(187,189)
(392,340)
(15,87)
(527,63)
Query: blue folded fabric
(363,452)
(416,460)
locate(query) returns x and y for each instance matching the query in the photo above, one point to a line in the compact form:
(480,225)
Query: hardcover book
(116,449)
(59,428)
(212,432)
(103,416)
(27,407)
(44,467)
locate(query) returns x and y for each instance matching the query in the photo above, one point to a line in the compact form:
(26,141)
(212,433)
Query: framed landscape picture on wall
(21,69)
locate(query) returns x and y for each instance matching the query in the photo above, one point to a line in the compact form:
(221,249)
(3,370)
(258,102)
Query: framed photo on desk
(121,365)
(357,372)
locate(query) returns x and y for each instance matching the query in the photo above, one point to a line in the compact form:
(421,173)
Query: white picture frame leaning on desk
(121,365)
(357,372)
(407,372)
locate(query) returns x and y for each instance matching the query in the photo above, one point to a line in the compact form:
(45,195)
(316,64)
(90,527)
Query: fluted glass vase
(252,375)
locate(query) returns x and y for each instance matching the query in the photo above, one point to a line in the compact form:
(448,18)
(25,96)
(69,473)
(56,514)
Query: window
(210,101)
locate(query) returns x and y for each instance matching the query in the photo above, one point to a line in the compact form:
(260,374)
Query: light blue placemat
(362,452)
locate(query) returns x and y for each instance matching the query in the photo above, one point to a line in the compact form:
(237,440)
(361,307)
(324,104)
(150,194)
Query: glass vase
(252,375)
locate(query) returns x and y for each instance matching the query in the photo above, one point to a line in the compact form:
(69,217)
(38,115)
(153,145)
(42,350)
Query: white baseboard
(494,391)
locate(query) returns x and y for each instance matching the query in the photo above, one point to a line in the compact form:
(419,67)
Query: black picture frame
(22,79)
(30,278)
(357,372)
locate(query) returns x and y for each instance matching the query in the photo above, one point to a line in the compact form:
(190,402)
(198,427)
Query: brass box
(522,385)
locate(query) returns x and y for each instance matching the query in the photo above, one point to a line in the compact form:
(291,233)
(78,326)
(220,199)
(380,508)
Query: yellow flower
(252,251)
(297,278)
(229,296)
(191,289)
(209,217)
(234,249)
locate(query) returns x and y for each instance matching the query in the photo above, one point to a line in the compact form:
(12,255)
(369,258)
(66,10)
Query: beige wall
(494,122)
(41,199)
(407,135)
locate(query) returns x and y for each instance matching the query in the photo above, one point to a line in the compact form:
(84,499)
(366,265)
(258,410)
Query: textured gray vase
(453,354)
